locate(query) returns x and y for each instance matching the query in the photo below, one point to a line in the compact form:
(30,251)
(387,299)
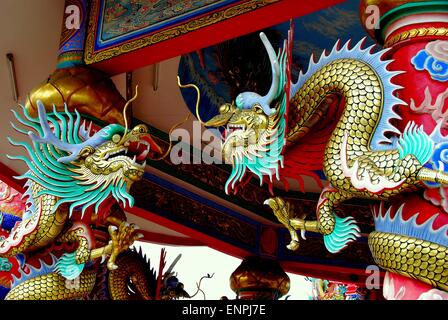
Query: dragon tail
(345,231)
(416,142)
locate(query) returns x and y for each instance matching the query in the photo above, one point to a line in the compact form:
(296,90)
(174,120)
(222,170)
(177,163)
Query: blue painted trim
(321,174)
(103,44)
(3,292)
(174,187)
(8,221)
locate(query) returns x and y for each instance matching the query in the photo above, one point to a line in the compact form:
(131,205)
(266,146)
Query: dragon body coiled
(359,161)
(52,286)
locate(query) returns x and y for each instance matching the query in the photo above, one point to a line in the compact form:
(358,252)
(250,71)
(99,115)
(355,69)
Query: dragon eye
(225,108)
(116,138)
(257,108)
(140,129)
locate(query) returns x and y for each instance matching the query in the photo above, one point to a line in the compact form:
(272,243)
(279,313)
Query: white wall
(30,29)
(197,262)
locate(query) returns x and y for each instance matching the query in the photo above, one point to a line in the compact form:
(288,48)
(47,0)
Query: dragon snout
(219,120)
(154,147)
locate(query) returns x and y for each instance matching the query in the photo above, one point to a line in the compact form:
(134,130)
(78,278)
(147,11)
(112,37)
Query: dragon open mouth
(137,152)
(125,154)
(145,148)
(230,128)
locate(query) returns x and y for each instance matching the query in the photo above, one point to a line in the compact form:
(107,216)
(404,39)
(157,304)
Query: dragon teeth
(236,126)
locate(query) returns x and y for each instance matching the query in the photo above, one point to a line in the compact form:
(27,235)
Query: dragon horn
(50,138)
(275,70)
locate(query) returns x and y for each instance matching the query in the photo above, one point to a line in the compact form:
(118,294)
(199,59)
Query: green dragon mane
(60,178)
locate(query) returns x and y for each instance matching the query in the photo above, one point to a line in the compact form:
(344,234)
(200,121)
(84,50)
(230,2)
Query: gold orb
(256,273)
(91,92)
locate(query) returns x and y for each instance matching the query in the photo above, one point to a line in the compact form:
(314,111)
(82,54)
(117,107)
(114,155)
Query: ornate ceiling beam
(230,232)
(212,178)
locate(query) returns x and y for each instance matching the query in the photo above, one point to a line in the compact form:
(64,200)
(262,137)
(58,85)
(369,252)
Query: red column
(416,32)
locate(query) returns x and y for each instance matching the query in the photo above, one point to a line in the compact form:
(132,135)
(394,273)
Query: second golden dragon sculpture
(365,156)
(75,175)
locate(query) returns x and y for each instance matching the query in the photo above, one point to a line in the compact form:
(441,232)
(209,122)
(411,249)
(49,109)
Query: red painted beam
(261,18)
(334,273)
(7,176)
(197,238)
(160,238)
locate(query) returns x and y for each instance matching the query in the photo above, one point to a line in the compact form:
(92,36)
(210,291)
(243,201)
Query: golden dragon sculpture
(365,156)
(75,175)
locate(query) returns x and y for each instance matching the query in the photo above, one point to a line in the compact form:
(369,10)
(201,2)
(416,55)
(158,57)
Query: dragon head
(78,166)
(119,156)
(244,129)
(253,138)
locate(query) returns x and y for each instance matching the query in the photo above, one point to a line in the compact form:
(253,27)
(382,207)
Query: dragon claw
(282,211)
(285,215)
(112,266)
(293,245)
(122,237)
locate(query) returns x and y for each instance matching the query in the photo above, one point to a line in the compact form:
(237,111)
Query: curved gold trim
(416,33)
